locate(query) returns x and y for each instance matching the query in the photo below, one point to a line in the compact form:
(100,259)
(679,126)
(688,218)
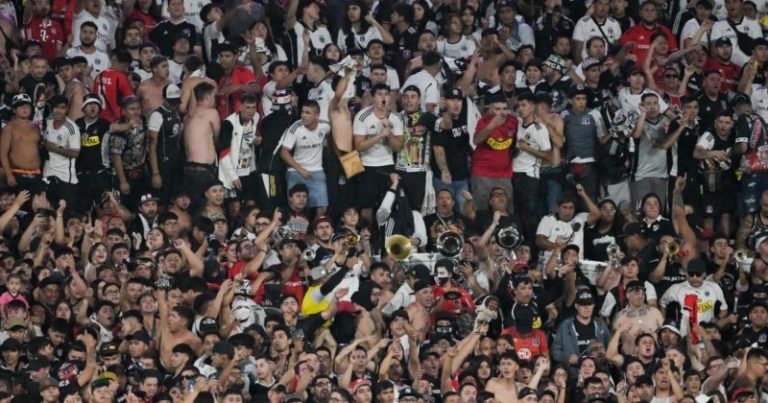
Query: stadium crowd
(338,201)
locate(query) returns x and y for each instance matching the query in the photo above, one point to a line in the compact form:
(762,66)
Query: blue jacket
(566,340)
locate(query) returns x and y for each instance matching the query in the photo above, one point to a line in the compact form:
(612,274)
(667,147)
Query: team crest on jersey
(97,62)
(762,338)
(463,48)
(176,129)
(586,120)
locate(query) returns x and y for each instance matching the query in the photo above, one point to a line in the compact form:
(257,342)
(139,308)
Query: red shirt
(146,19)
(730,72)
(493,157)
(229,104)
(111,86)
(293,286)
(641,36)
(48,33)
(63,12)
(529,346)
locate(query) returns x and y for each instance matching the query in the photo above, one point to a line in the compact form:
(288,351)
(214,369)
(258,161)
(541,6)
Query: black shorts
(713,204)
(371,185)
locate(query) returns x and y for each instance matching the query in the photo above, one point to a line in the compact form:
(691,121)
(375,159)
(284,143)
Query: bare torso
(503,390)
(487,71)
(200,128)
(151,93)
(170,340)
(25,142)
(419,319)
(645,319)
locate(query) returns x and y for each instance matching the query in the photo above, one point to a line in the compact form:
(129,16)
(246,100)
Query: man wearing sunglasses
(698,298)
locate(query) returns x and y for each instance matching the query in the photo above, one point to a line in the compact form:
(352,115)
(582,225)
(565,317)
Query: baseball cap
(90,99)
(354,386)
(140,335)
(585,298)
(14,323)
(172,91)
(671,325)
(38,363)
(696,266)
(577,90)
(321,219)
(21,99)
(723,40)
(48,382)
(635,229)
(147,197)
(454,93)
(634,285)
(589,63)
(99,383)
(108,349)
(526,392)
(420,285)
(420,272)
(759,242)
(10,344)
(757,42)
(740,99)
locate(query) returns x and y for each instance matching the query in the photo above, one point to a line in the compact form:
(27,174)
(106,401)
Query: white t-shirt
(707,295)
(361,40)
(367,124)
(462,49)
(322,93)
(428,87)
(553,228)
(175,70)
(266,97)
(586,28)
(631,102)
(760,101)
(98,60)
(689,31)
(393,80)
(723,29)
(67,136)
(105,34)
(307,145)
(537,136)
(319,38)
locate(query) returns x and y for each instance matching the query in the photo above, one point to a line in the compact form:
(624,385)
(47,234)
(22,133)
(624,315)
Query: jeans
(552,185)
(456,187)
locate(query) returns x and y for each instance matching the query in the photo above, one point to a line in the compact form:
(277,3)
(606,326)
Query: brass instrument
(398,247)
(308,254)
(740,256)
(351,239)
(672,250)
(449,244)
(509,238)
(613,251)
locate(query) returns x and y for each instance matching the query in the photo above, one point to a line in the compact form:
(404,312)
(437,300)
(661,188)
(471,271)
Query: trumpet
(509,237)
(351,239)
(449,244)
(398,247)
(308,254)
(740,256)
(613,251)
(672,249)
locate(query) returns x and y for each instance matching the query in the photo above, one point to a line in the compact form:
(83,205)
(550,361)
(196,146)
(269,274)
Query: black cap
(585,297)
(526,391)
(635,229)
(758,303)
(577,90)
(740,99)
(140,335)
(38,363)
(696,266)
(420,272)
(10,344)
(723,40)
(758,42)
(420,285)
(704,3)
(108,349)
(520,279)
(634,285)
(643,380)
(454,93)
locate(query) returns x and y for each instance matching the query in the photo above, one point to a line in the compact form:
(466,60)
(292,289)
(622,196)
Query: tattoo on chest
(637,313)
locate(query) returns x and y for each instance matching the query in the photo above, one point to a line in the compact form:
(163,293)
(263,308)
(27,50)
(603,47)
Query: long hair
(348,27)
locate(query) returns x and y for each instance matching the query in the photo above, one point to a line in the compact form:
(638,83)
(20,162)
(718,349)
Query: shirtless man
(339,115)
(20,148)
(74,90)
(487,71)
(173,329)
(151,90)
(418,311)
(504,387)
(194,74)
(201,130)
(644,318)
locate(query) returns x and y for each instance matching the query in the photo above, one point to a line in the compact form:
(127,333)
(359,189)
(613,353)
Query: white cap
(172,91)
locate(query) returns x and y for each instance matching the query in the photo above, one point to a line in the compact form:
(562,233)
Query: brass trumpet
(672,249)
(613,251)
(308,254)
(509,237)
(740,256)
(398,247)
(351,239)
